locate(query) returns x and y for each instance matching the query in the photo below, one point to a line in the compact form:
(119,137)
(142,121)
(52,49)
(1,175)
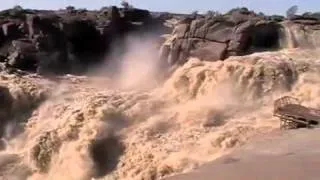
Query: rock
(265,35)
(10,29)
(240,16)
(81,35)
(50,63)
(136,15)
(31,25)
(301,34)
(238,32)
(22,56)
(114,14)
(209,50)
(6,102)
(181,30)
(24,45)
(69,42)
(220,32)
(196,30)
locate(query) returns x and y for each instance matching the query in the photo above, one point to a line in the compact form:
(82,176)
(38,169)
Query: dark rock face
(70,41)
(6,102)
(50,42)
(262,36)
(238,32)
(22,54)
(217,37)
(209,50)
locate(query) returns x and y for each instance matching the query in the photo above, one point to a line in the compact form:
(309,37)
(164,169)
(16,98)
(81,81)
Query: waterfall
(297,35)
(288,39)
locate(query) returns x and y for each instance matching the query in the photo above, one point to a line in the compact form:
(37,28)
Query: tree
(16,11)
(244,9)
(104,8)
(194,14)
(212,13)
(291,12)
(239,9)
(126,5)
(276,18)
(315,15)
(18,8)
(70,8)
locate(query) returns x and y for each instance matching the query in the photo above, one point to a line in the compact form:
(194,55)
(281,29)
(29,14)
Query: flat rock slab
(287,155)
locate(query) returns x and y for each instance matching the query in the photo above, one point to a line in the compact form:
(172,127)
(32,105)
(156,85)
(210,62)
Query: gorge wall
(239,32)
(69,41)
(72,41)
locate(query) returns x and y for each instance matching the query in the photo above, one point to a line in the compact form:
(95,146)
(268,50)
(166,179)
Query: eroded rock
(238,32)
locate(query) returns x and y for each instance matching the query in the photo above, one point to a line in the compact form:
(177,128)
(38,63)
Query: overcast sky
(183,6)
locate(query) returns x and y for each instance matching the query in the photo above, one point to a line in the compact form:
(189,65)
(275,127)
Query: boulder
(22,55)
(51,63)
(207,50)
(220,32)
(84,41)
(81,35)
(10,30)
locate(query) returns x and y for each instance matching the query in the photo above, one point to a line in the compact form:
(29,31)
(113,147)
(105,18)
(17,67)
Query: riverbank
(283,155)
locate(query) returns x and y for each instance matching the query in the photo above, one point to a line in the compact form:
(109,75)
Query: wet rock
(209,50)
(6,103)
(239,32)
(10,29)
(22,55)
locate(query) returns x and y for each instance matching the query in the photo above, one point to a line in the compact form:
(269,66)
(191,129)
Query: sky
(179,6)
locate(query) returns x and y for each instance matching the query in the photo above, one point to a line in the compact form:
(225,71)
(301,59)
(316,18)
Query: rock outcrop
(68,41)
(239,32)
(5,105)
(302,32)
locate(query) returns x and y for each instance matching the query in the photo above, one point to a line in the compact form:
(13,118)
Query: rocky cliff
(238,32)
(68,41)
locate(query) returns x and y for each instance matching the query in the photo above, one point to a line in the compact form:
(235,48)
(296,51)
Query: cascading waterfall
(86,128)
(288,38)
(299,36)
